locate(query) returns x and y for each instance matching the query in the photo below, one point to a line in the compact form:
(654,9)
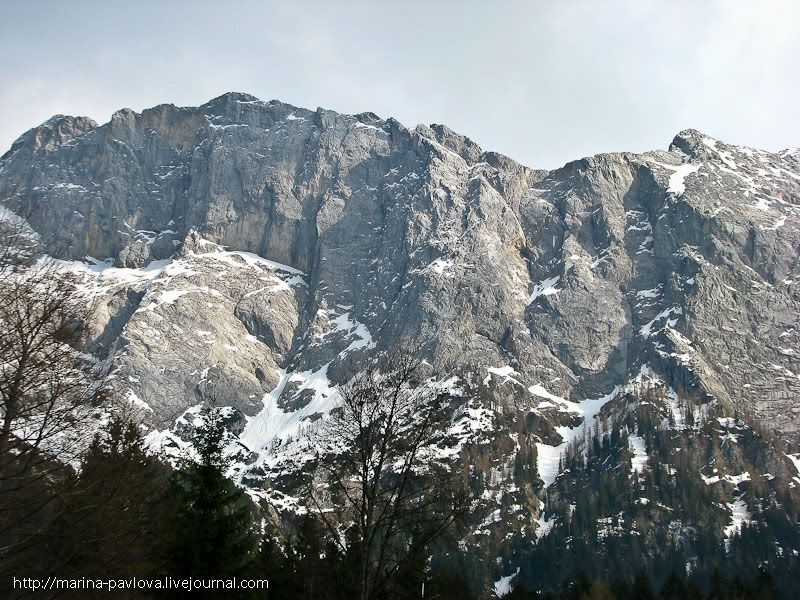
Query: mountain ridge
(257,253)
(245,97)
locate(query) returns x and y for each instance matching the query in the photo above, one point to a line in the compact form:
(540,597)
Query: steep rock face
(256,245)
(685,258)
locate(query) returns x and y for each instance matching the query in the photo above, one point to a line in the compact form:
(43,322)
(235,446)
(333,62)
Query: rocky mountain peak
(229,99)
(56,131)
(689,141)
(257,248)
(455,142)
(630,316)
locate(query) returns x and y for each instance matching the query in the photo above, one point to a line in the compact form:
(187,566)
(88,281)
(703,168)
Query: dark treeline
(620,524)
(675,587)
(127,514)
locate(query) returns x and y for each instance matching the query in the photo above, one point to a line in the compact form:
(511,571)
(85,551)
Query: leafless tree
(49,392)
(376,488)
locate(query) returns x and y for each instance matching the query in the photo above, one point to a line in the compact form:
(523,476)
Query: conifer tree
(213,533)
(111,523)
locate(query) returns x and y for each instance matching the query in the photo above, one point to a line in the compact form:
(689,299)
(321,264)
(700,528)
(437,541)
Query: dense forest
(127,514)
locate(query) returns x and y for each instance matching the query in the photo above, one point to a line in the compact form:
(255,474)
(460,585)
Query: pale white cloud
(544,82)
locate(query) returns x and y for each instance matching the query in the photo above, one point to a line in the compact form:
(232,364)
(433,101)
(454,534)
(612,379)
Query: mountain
(619,336)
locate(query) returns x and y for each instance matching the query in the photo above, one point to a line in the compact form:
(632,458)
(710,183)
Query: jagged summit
(696,143)
(230,97)
(234,106)
(57,130)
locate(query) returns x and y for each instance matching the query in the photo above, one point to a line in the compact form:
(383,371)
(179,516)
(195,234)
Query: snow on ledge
(544,288)
(507,372)
(548,457)
(539,390)
(639,459)
(677,181)
(503,586)
(739,516)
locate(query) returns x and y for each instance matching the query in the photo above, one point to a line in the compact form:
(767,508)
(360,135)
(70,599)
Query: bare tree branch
(50,393)
(373,481)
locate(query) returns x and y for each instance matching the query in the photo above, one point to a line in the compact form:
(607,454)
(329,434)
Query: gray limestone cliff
(254,255)
(684,260)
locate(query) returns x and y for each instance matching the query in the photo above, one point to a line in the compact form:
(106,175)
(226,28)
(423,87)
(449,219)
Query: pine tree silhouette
(213,534)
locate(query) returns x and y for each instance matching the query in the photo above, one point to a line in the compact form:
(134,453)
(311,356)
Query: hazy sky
(544,82)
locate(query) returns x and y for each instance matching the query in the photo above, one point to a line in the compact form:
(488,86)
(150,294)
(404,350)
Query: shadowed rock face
(568,282)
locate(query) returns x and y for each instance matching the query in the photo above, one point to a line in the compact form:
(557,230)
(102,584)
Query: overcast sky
(544,82)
